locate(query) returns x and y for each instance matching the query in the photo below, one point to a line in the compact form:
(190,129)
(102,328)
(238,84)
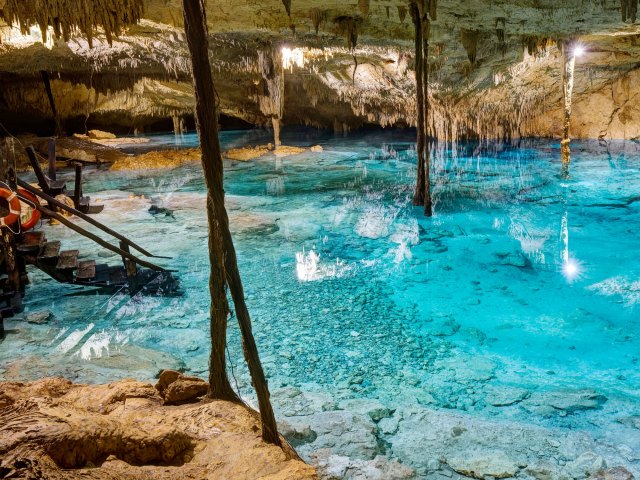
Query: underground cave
(302,239)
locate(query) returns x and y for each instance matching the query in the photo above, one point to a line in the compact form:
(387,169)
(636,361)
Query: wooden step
(50,251)
(31,242)
(118,275)
(102,274)
(86,270)
(68,260)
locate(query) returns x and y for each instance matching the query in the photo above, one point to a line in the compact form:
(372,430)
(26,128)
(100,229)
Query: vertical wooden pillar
(426,28)
(416,17)
(420,15)
(222,254)
(51,150)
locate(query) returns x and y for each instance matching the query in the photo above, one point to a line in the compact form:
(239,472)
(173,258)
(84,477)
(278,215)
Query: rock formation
(54,429)
(494,68)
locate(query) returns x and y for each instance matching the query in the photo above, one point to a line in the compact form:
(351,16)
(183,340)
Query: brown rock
(177,388)
(100,135)
(185,390)
(69,434)
(615,473)
(167,377)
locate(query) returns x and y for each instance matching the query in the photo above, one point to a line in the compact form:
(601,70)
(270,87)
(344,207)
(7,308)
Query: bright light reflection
(572,269)
(291,57)
(578,50)
(14,37)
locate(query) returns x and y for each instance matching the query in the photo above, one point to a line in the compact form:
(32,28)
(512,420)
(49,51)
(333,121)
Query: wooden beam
(85,217)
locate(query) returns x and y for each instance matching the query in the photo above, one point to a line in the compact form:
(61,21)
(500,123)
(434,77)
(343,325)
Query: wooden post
(58,130)
(420,17)
(222,253)
(77,187)
(129,265)
(426,29)
(51,150)
(418,196)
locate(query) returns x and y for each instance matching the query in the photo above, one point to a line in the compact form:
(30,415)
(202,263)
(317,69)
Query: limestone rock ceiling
(494,66)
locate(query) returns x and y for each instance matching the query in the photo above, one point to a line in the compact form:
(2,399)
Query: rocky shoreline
(54,429)
(121,429)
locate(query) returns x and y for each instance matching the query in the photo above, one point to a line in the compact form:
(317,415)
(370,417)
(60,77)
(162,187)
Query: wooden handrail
(98,240)
(85,217)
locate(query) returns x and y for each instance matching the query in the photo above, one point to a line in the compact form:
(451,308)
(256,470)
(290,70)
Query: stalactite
(363,6)
(469,39)
(536,46)
(402,13)
(629,10)
(348,26)
(287,6)
(317,17)
(65,16)
(500,25)
(388,9)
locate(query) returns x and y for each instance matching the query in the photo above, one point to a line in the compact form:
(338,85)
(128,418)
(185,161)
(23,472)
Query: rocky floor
(446,444)
(53,429)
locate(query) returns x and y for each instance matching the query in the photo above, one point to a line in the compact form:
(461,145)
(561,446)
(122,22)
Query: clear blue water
(522,279)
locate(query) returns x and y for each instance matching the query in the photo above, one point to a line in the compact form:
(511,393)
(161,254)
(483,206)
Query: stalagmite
(222,254)
(568,65)
(178,125)
(271,96)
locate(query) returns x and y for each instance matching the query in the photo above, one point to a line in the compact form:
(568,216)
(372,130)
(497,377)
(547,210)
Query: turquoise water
(523,283)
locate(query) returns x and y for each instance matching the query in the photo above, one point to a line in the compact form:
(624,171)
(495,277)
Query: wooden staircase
(65,267)
(18,249)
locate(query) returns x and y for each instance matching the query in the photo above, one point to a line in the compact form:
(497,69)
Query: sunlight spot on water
(572,269)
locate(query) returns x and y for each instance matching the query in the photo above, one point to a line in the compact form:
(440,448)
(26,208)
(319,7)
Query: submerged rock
(564,402)
(155,210)
(340,467)
(616,473)
(39,317)
(505,396)
(484,464)
(585,465)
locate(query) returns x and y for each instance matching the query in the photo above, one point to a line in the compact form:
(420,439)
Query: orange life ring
(14,207)
(32,215)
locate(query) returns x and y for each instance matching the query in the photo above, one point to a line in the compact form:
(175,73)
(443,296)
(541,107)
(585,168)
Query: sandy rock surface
(55,429)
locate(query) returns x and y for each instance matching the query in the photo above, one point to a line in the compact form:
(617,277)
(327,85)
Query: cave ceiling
(494,65)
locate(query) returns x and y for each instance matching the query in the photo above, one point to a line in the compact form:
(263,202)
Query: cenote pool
(504,330)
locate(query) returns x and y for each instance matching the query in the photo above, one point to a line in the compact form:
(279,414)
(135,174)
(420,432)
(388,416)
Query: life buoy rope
(14,207)
(30,200)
